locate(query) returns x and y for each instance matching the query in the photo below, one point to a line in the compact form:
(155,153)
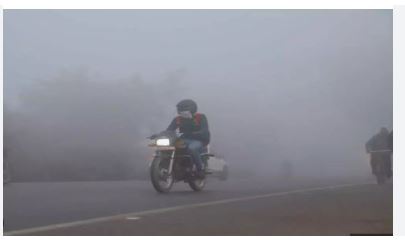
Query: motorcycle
(379,165)
(172,163)
(6,172)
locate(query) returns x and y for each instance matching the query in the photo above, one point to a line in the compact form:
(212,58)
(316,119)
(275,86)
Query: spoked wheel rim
(165,180)
(200,182)
(161,180)
(197,184)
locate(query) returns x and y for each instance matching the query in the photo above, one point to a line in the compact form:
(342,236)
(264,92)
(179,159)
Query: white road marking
(133,218)
(171,209)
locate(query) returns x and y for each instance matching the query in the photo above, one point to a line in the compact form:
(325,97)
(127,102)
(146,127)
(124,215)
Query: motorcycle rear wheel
(197,184)
(224,174)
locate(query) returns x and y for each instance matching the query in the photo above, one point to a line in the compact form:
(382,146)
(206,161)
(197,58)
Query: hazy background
(83,88)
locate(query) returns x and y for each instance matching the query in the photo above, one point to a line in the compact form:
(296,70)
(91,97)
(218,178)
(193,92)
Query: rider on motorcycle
(379,148)
(194,129)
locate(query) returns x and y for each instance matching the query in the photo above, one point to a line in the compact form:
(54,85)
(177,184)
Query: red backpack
(197,119)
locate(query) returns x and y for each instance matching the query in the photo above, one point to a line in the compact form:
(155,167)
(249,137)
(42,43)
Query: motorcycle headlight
(163,142)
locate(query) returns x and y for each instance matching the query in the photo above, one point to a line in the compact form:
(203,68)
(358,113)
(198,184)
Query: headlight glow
(163,142)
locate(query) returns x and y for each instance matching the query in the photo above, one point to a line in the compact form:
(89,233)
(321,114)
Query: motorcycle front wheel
(161,180)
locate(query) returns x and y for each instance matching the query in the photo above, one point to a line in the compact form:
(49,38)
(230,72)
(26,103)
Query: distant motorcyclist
(194,129)
(390,141)
(6,167)
(379,149)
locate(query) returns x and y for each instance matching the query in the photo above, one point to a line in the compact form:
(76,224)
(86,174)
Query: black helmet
(187,105)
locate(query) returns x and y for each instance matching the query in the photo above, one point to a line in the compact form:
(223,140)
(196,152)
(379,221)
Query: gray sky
(212,45)
(304,80)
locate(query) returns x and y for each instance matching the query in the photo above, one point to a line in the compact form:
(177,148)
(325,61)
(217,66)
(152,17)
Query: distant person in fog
(380,151)
(390,141)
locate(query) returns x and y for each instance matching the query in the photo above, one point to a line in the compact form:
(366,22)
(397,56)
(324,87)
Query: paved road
(236,207)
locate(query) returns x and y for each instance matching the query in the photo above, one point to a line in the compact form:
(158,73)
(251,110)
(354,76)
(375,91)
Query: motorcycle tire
(156,176)
(197,184)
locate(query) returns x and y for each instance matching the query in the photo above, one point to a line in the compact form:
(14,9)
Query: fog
(84,88)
